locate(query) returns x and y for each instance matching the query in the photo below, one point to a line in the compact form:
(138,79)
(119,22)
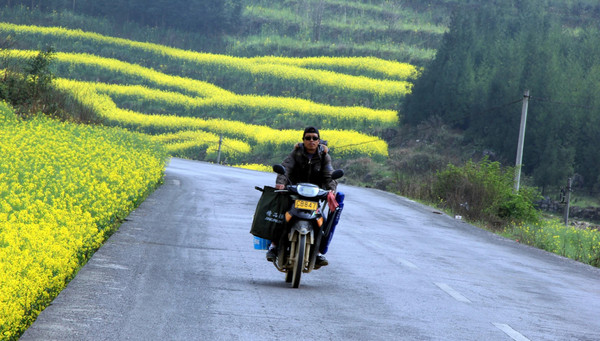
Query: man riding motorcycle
(308,162)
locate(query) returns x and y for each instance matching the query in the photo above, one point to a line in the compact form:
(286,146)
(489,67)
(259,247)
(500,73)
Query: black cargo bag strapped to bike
(269,216)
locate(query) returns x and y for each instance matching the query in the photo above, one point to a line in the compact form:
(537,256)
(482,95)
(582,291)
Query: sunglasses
(308,138)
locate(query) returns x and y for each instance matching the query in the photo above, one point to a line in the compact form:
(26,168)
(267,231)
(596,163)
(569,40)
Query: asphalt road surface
(183,267)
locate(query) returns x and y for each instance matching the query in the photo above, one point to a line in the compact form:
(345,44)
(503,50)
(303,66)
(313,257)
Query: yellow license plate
(305,205)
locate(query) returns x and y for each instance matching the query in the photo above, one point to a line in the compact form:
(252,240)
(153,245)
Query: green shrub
(483,192)
(582,245)
(27,85)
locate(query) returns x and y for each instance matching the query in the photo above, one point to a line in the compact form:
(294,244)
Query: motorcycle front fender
(302,227)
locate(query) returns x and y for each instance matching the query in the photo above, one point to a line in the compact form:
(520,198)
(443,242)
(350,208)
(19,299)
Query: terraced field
(258,104)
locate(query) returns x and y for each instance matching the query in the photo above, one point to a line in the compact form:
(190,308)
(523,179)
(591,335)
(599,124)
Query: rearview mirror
(279,169)
(338,173)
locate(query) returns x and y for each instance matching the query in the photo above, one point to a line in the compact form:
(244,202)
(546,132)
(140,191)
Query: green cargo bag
(269,216)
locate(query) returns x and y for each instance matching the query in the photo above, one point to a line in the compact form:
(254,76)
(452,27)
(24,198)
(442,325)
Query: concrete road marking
(402,261)
(515,335)
(109,266)
(377,245)
(457,296)
(407,263)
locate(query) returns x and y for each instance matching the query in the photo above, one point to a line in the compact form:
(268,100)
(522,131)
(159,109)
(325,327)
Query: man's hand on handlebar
(279,186)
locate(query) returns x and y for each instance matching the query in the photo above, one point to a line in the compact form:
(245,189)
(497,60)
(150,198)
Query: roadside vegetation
(411,99)
(552,235)
(64,188)
(477,81)
(475,85)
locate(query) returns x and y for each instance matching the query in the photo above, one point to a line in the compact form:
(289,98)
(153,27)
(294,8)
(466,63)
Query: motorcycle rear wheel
(299,261)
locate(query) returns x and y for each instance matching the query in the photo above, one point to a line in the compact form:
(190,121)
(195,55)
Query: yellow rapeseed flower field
(256,166)
(194,144)
(135,73)
(213,97)
(371,65)
(62,188)
(251,106)
(262,138)
(284,69)
(580,244)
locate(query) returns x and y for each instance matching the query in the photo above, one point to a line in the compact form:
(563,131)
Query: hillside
(489,58)
(198,101)
(393,31)
(269,69)
(241,91)
(360,95)
(403,30)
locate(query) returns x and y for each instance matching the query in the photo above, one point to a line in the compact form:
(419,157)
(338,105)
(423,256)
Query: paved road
(182,267)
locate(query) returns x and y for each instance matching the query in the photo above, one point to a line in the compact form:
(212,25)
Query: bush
(27,85)
(582,245)
(483,192)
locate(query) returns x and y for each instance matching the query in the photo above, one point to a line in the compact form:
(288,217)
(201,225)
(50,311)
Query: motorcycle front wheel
(299,261)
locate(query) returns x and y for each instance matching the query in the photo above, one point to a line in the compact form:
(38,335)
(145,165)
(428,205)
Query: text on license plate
(305,205)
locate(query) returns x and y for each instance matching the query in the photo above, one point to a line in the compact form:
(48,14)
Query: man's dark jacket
(316,170)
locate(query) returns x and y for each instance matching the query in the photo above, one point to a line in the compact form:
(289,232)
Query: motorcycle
(307,223)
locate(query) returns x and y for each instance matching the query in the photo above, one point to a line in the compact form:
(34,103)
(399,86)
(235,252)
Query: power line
(502,106)
(459,120)
(355,144)
(542,99)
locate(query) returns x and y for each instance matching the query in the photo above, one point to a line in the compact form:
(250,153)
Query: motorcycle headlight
(308,190)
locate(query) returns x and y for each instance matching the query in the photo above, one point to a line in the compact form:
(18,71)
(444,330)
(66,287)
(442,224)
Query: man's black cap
(311,130)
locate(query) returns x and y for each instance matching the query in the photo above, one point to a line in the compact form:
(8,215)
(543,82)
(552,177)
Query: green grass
(356,22)
(274,44)
(240,75)
(346,28)
(582,245)
(349,28)
(582,200)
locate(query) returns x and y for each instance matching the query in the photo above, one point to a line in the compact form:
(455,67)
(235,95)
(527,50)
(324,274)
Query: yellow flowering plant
(63,188)
(385,84)
(552,235)
(262,139)
(256,167)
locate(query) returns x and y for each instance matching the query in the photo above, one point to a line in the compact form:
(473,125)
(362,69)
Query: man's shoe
(321,261)
(272,254)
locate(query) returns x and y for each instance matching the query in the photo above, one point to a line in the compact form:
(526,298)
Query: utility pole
(521,139)
(569,183)
(219,153)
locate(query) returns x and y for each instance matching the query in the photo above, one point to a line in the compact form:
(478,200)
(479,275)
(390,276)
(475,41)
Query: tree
(492,52)
(317,9)
(39,76)
(210,17)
